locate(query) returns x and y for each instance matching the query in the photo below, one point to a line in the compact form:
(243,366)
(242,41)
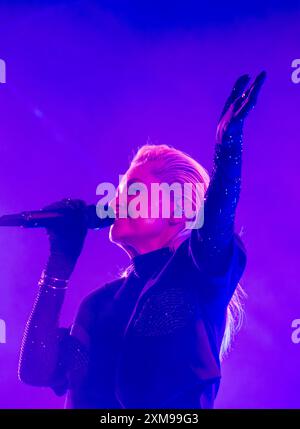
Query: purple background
(86,85)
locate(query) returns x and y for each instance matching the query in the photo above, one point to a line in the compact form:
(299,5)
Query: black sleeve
(74,350)
(50,355)
(216,249)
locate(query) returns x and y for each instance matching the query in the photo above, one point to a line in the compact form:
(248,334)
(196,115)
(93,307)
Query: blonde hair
(173,165)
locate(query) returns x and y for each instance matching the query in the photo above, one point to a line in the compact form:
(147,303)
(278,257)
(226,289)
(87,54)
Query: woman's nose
(116,205)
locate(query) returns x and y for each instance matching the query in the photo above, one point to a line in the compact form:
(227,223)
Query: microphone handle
(44,218)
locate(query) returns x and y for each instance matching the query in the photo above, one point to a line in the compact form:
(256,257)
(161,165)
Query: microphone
(47,218)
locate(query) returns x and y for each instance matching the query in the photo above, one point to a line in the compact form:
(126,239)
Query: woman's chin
(117,232)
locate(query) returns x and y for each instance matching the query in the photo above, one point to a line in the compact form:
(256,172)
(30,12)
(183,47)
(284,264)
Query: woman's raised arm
(211,243)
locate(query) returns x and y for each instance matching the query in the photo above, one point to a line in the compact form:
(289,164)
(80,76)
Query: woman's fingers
(248,100)
(253,94)
(237,91)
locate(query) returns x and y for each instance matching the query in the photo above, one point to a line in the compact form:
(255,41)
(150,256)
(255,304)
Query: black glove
(237,108)
(66,237)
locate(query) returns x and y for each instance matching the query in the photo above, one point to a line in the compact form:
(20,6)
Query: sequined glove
(223,193)
(237,107)
(47,357)
(229,136)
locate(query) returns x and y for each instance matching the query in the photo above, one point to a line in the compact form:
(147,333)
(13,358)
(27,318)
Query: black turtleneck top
(120,298)
(142,267)
(169,356)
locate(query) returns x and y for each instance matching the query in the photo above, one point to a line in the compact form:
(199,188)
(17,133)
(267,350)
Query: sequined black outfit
(151,340)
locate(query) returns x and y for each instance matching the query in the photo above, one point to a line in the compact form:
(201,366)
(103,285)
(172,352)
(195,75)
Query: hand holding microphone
(67,235)
(67,222)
